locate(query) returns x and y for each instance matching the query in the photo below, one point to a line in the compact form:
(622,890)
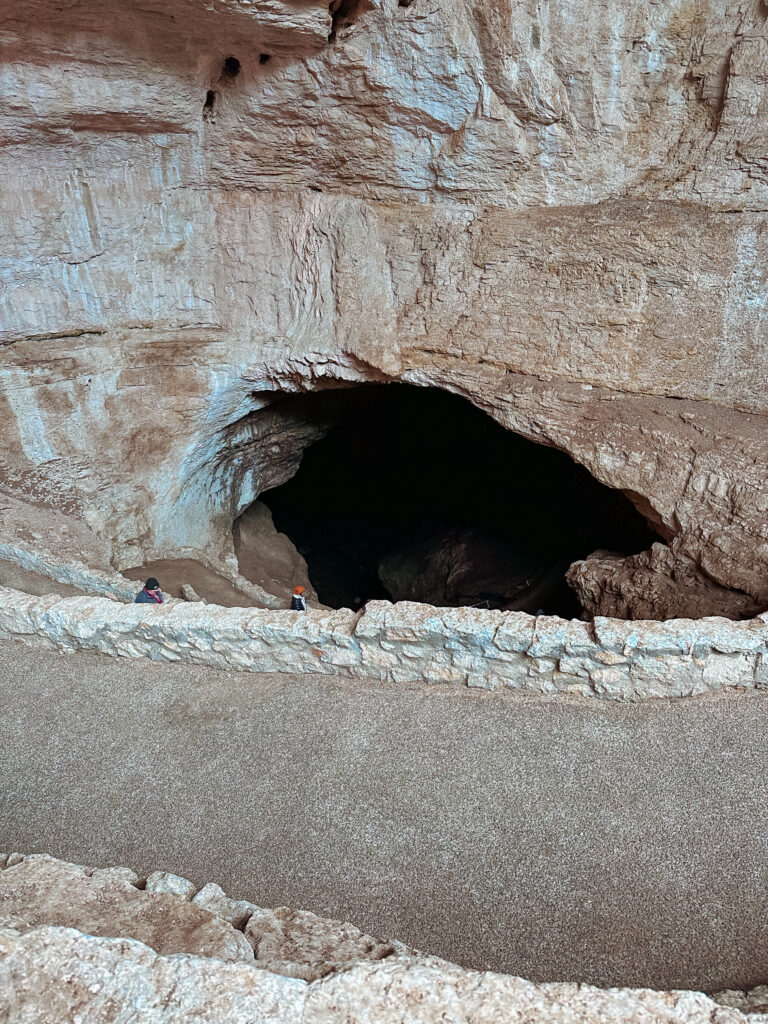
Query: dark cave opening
(344,13)
(230,69)
(415,494)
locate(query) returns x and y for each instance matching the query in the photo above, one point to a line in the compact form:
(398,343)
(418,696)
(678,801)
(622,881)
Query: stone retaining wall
(408,642)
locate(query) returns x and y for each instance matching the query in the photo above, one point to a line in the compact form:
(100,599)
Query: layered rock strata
(96,942)
(559,214)
(408,642)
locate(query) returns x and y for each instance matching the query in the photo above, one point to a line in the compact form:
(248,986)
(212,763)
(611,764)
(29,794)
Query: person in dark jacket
(150,594)
(298,601)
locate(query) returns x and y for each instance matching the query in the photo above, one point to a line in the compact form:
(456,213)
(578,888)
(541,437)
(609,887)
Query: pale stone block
(213,899)
(553,636)
(164,881)
(122,874)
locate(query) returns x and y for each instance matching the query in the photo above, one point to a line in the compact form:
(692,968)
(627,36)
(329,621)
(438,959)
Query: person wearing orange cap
(298,601)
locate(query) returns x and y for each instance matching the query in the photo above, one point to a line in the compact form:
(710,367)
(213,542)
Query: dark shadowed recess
(345,13)
(417,495)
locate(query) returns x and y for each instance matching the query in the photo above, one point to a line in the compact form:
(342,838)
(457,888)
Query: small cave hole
(230,69)
(264,58)
(415,494)
(404,3)
(209,105)
(344,13)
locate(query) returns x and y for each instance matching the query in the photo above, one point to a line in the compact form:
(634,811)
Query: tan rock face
(649,585)
(558,216)
(268,557)
(41,890)
(56,973)
(299,944)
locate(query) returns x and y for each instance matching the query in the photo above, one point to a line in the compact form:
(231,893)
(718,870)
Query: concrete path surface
(560,840)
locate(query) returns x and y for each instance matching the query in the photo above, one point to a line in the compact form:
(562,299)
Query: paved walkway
(578,840)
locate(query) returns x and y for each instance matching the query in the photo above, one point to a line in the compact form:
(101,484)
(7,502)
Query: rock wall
(268,558)
(412,643)
(559,214)
(245,963)
(647,585)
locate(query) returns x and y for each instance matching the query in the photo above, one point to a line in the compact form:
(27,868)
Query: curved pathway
(570,840)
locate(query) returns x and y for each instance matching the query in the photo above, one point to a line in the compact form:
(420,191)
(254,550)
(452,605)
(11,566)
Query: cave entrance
(415,494)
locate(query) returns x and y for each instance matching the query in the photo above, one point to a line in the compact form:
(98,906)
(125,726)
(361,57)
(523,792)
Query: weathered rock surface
(268,557)
(753,1001)
(559,214)
(648,585)
(52,972)
(213,899)
(299,944)
(58,546)
(165,881)
(41,890)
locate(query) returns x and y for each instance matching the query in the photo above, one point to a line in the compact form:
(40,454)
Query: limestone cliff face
(553,210)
